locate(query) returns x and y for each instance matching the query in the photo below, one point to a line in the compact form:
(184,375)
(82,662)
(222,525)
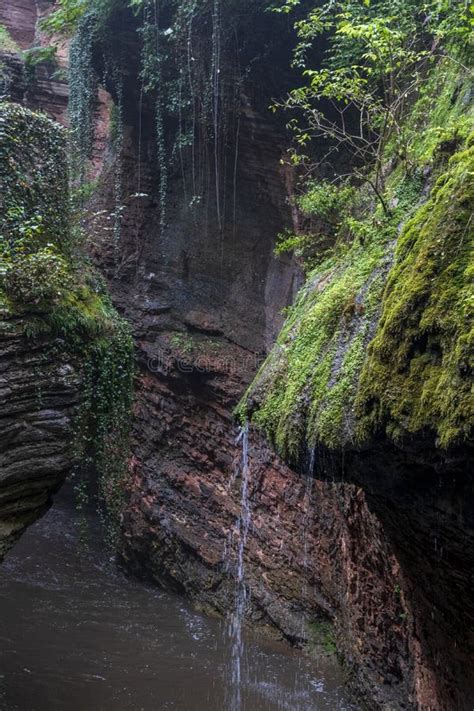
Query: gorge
(341,519)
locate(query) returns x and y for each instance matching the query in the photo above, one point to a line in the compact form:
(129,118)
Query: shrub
(36,280)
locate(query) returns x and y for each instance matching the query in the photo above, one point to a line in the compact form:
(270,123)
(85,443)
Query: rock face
(44,85)
(38,394)
(371,371)
(39,381)
(205,304)
(54,321)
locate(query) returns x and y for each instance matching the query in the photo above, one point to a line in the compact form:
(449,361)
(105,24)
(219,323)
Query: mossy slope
(417,373)
(379,337)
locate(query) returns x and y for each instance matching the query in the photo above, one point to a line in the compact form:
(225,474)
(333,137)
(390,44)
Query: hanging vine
(189,72)
(153,57)
(82,92)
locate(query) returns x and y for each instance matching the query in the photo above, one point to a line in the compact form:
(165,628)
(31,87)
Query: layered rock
(44,84)
(204,294)
(38,394)
(205,303)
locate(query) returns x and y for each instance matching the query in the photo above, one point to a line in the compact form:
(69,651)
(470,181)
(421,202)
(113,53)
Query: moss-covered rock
(379,337)
(418,371)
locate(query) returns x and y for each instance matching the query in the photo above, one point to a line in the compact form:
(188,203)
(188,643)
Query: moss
(417,372)
(321,636)
(323,383)
(307,386)
(34,204)
(7,43)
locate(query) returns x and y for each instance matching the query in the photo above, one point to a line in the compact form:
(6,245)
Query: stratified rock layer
(205,303)
(38,394)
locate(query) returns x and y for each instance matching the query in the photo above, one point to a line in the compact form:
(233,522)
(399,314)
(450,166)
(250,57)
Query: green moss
(307,387)
(323,383)
(446,98)
(7,43)
(34,203)
(417,372)
(321,635)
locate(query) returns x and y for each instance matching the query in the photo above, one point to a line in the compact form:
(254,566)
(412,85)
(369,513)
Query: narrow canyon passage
(236,243)
(77,634)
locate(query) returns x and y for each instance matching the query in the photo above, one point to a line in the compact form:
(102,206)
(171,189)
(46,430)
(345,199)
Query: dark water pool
(77,635)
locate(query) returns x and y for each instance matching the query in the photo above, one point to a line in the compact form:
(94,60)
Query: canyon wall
(372,372)
(205,303)
(39,381)
(55,324)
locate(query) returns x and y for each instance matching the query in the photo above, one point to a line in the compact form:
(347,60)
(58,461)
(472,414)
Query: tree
(378,56)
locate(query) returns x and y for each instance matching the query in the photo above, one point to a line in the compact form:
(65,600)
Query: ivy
(103,425)
(45,280)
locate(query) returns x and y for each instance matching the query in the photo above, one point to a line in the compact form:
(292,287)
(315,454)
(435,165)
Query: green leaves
(65,18)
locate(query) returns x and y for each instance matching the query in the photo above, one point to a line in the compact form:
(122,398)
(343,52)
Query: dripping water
(237,617)
(305,531)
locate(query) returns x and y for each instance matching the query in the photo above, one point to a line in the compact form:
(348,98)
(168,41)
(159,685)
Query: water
(77,635)
(237,618)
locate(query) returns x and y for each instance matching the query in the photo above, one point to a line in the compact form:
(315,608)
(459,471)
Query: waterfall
(237,617)
(308,500)
(307,518)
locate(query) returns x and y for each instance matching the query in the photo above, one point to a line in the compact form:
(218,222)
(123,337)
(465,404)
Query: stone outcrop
(53,322)
(38,394)
(44,85)
(371,371)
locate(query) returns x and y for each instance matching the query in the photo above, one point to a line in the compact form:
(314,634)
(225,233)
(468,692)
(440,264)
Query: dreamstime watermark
(161,362)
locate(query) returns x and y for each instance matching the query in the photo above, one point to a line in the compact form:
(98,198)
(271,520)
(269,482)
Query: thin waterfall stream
(238,615)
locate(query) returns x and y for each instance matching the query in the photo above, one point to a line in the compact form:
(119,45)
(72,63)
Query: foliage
(65,17)
(7,43)
(36,280)
(329,207)
(60,298)
(378,56)
(104,421)
(39,55)
(32,156)
(82,89)
(189,73)
(306,385)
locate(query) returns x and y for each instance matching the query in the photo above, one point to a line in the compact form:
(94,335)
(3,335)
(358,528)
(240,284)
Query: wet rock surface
(38,393)
(205,304)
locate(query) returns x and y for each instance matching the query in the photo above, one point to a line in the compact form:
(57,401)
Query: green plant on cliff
(104,420)
(307,385)
(7,43)
(47,282)
(416,375)
(377,61)
(189,74)
(329,207)
(339,375)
